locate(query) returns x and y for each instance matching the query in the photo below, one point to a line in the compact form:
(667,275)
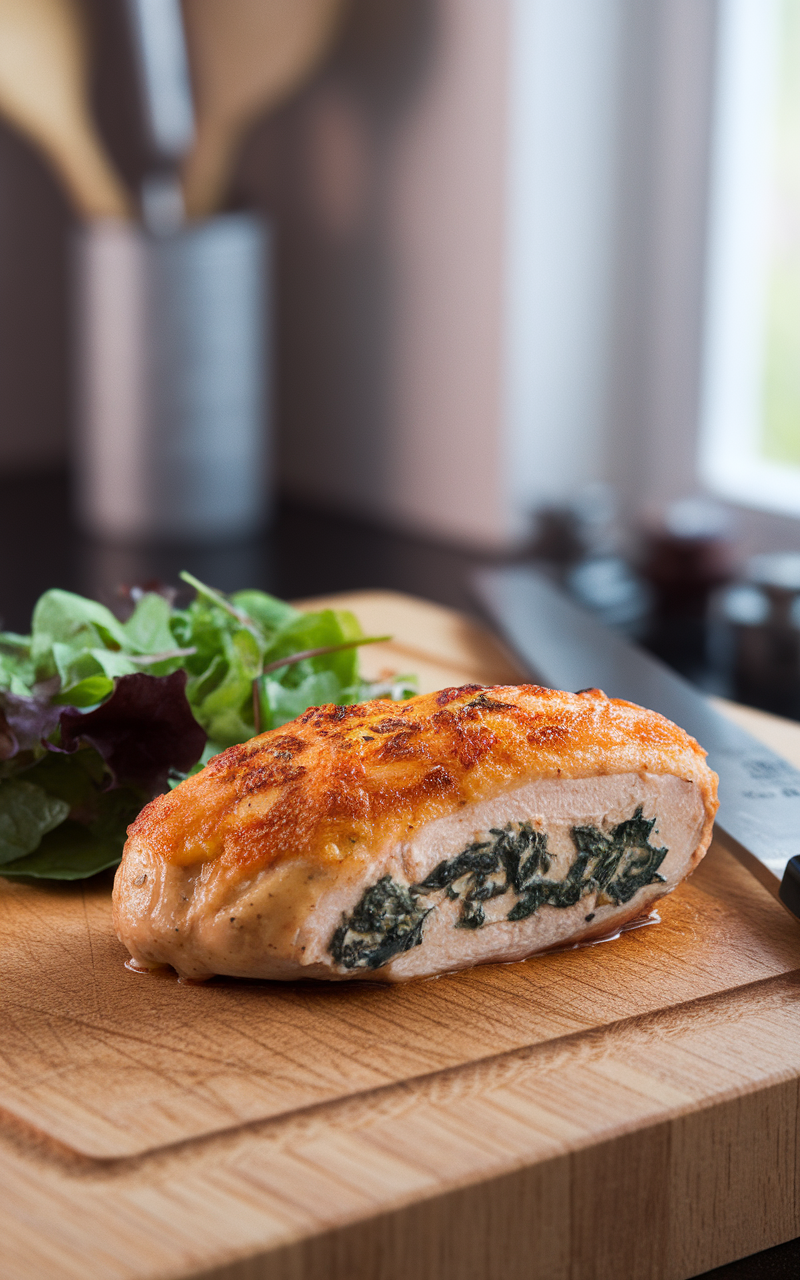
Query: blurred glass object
(756,629)
(587,525)
(745,606)
(688,556)
(608,586)
(580,541)
(171,438)
(750,430)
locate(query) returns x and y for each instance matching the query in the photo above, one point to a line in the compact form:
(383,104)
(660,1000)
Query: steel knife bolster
(566,647)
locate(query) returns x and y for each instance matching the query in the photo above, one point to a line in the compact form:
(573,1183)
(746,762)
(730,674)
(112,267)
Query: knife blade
(566,647)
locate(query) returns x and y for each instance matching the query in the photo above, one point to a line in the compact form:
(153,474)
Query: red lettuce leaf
(24,723)
(144,732)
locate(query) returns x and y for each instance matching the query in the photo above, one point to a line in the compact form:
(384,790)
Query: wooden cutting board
(623,1110)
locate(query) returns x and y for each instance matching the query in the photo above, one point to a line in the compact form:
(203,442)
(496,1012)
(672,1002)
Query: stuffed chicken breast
(389,841)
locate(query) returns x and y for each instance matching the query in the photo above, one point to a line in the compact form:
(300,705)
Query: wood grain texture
(628,1109)
(44,92)
(247,56)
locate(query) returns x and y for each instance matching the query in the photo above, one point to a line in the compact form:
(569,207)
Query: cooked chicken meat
(387,841)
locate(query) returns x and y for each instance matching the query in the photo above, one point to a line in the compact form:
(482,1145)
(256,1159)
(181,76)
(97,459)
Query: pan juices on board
(383,841)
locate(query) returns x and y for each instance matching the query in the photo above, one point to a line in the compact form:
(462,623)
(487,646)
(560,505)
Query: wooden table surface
(624,1110)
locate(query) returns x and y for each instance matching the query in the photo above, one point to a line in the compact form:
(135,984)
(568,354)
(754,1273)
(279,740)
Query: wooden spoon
(246,56)
(43,91)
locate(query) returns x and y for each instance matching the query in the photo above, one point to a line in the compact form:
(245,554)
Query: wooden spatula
(43,91)
(246,56)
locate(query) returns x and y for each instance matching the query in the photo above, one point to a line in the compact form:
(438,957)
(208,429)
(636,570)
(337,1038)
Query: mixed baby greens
(97,716)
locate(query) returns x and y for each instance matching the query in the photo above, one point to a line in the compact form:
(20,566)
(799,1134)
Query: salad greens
(97,716)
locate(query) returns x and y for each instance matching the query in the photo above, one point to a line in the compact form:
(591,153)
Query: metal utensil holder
(171,432)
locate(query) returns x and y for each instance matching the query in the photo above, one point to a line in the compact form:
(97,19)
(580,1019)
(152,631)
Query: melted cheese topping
(341,783)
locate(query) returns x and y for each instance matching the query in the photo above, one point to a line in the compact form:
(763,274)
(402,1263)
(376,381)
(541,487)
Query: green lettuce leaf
(148,628)
(317,631)
(88,692)
(65,619)
(78,779)
(279,705)
(70,852)
(93,834)
(203,627)
(16,667)
(132,702)
(27,813)
(267,611)
(75,666)
(222,701)
(228,656)
(14,642)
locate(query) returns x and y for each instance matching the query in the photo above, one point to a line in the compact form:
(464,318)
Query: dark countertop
(306,552)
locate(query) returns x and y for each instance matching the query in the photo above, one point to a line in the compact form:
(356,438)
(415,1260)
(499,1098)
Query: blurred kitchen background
(529,288)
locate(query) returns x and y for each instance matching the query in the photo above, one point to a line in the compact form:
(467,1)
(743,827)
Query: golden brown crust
(341,781)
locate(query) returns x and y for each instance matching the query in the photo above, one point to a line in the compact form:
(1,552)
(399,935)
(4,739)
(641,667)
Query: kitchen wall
(36,230)
(489,221)
(445,196)
(34,376)
(492,222)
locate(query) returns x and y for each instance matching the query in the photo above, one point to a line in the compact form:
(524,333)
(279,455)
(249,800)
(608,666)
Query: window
(750,417)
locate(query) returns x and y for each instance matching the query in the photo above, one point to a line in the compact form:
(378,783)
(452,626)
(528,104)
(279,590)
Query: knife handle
(790,886)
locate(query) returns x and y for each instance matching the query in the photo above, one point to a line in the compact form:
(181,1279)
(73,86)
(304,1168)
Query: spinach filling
(619,864)
(488,869)
(614,865)
(387,921)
